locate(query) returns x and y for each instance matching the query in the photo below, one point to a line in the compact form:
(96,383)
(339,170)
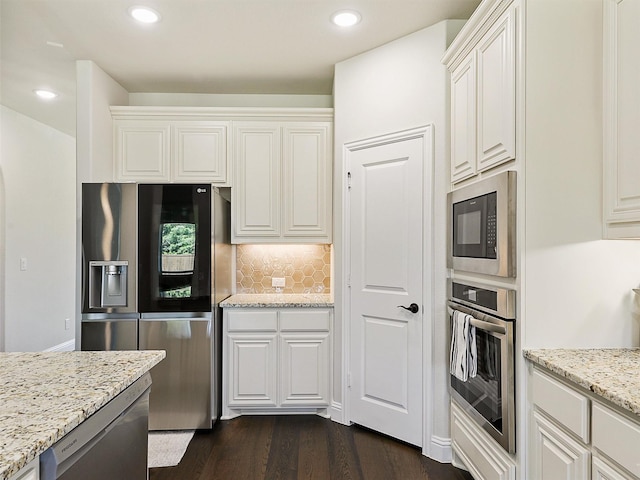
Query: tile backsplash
(305,268)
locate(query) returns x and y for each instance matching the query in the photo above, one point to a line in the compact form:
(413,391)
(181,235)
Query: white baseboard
(440,449)
(337,414)
(68,346)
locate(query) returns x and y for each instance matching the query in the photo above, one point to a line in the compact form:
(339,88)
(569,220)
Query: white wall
(399,86)
(229,100)
(96,91)
(37,165)
(577,287)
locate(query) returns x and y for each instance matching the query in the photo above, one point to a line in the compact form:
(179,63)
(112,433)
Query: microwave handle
(489,327)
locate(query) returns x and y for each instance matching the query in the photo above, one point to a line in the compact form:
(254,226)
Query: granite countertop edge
(611,373)
(278,300)
(45,395)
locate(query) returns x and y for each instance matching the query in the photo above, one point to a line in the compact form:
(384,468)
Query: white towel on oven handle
(463,355)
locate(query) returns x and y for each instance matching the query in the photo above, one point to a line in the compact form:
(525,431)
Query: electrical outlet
(23,264)
(67,323)
(277,281)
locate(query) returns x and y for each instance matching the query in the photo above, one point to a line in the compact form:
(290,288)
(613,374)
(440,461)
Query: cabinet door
(252,370)
(304,367)
(621,118)
(200,152)
(463,120)
(256,194)
(480,453)
(556,454)
(141,151)
(496,94)
(307,174)
(602,470)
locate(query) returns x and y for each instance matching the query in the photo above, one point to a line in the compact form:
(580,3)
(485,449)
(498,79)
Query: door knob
(413,308)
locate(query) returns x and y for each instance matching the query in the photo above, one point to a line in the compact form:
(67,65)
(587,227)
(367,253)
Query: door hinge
(349,180)
(349,380)
(349,280)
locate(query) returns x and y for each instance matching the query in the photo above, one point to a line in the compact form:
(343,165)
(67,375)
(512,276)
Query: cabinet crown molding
(478,24)
(220,113)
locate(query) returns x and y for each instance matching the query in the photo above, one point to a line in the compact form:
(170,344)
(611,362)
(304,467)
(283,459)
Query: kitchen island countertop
(45,395)
(611,373)
(278,300)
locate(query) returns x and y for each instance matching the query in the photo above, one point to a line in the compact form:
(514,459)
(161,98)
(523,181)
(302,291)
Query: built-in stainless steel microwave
(482,226)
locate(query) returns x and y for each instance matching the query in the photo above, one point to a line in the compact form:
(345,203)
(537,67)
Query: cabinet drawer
(481,455)
(617,437)
(566,406)
(301,320)
(260,321)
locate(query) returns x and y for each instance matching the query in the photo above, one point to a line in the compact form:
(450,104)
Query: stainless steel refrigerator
(156,264)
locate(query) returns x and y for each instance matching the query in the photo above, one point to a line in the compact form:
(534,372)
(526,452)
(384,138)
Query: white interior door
(386,245)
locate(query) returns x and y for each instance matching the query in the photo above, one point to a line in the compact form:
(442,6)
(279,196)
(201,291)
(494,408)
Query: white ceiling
(199,46)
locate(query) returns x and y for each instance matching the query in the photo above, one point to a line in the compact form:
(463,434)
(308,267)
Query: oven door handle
(481,324)
(489,327)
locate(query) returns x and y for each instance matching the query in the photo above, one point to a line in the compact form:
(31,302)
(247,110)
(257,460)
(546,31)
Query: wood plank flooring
(300,447)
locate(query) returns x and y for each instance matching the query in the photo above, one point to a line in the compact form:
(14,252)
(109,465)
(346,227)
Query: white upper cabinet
(621,119)
(307,170)
(483,100)
(256,193)
(463,119)
(200,151)
(496,94)
(282,182)
(141,151)
(157,145)
(162,151)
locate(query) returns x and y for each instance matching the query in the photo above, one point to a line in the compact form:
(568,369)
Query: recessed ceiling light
(144,14)
(45,94)
(346,18)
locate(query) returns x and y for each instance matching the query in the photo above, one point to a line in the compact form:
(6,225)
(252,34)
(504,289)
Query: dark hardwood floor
(300,447)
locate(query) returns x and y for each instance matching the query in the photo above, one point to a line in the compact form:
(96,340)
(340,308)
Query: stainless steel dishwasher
(111,444)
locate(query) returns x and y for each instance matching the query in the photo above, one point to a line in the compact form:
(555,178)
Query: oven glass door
(484,391)
(489,396)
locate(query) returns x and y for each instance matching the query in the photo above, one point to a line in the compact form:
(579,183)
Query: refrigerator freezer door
(109,334)
(181,394)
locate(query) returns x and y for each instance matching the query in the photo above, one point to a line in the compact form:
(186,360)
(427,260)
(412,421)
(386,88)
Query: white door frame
(426,133)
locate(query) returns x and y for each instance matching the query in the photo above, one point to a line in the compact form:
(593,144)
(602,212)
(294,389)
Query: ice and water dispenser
(108,284)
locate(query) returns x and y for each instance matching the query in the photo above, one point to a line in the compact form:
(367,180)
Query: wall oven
(488,396)
(482,226)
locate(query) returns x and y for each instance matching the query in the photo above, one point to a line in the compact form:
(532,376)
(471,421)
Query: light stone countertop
(613,374)
(278,300)
(45,395)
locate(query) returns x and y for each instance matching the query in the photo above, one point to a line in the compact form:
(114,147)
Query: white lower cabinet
(602,470)
(556,454)
(574,436)
(276,360)
(480,453)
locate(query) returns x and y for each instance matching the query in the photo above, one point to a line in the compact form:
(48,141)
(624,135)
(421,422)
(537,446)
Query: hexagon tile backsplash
(305,268)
